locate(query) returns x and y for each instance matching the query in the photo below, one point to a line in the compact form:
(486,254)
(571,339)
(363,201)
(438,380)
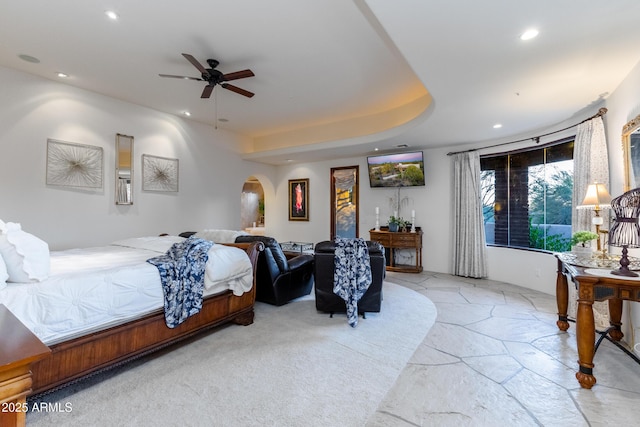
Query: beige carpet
(292,367)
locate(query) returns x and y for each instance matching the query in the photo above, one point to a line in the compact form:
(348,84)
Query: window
(527,197)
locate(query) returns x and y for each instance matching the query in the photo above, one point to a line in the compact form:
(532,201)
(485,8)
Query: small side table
(593,284)
(296,248)
(396,240)
(19,347)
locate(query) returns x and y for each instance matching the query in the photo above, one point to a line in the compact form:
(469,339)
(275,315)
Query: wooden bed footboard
(79,357)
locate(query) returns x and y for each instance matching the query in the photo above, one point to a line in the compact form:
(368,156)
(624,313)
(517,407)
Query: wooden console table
(595,284)
(400,240)
(18,349)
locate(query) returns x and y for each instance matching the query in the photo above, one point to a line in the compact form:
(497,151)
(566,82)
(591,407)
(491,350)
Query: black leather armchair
(279,280)
(326,300)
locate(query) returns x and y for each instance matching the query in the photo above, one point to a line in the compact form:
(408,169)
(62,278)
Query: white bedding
(95,288)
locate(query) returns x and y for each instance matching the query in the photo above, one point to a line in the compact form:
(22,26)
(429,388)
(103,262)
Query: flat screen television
(396,170)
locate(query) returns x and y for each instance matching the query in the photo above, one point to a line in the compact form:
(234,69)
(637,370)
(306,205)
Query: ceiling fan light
(111,15)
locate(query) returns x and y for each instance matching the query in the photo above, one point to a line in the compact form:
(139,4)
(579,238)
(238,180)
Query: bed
(100,307)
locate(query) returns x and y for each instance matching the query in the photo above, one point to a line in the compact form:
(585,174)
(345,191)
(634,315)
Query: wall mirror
(344,202)
(124,169)
(631,153)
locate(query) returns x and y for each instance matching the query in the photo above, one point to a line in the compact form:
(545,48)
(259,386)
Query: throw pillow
(26,257)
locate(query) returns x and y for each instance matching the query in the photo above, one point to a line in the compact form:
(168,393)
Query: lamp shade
(597,197)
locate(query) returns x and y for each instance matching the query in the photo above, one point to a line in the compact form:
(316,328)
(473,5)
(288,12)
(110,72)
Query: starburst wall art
(74,165)
(159,173)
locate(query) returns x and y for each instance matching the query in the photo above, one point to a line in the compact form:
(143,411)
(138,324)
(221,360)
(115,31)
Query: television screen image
(396,170)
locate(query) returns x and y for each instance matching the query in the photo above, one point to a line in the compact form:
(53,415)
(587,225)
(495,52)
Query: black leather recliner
(326,300)
(280,280)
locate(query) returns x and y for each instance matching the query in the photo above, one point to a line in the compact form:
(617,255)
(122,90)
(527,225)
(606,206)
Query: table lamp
(625,231)
(597,197)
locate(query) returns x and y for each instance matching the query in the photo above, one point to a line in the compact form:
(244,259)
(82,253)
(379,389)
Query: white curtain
(469,245)
(590,164)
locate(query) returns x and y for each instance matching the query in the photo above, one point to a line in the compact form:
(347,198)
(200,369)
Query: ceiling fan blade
(206,93)
(238,90)
(195,63)
(180,77)
(238,75)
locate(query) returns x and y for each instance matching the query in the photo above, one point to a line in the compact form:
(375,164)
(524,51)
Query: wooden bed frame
(77,358)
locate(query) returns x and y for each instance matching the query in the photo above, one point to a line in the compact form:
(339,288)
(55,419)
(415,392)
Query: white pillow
(3,274)
(26,257)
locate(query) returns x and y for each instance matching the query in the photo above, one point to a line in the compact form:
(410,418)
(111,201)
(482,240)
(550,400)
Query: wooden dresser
(399,240)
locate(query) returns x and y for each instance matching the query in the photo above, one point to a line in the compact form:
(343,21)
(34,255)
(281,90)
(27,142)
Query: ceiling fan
(214,77)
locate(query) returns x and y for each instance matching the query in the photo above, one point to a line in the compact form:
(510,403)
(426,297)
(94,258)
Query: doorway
(344,202)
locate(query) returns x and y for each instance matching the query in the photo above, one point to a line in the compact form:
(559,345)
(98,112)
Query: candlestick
(377,218)
(413,221)
(377,210)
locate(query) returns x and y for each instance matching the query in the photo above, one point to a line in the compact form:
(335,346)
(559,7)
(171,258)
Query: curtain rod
(601,112)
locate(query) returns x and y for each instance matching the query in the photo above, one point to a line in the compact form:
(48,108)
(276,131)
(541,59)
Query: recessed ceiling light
(529,34)
(497,126)
(111,14)
(376,149)
(62,75)
(187,113)
(29,58)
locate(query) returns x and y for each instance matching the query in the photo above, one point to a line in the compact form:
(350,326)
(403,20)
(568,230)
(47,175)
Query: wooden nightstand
(19,347)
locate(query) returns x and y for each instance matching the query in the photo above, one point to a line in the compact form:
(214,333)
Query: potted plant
(397,223)
(580,241)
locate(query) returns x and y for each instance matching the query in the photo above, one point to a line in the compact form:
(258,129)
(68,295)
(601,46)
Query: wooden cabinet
(399,240)
(18,349)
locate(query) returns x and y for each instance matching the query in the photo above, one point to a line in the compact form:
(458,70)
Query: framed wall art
(74,165)
(159,173)
(299,199)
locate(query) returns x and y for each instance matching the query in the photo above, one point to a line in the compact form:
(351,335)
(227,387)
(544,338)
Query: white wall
(430,214)
(32,109)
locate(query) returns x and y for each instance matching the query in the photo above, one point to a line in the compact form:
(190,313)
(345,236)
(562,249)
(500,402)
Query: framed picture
(159,173)
(74,165)
(299,199)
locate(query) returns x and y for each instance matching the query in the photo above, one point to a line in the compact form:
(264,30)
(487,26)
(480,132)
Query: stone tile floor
(495,357)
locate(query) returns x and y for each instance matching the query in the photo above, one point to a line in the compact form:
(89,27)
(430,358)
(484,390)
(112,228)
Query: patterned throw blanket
(182,271)
(352,274)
